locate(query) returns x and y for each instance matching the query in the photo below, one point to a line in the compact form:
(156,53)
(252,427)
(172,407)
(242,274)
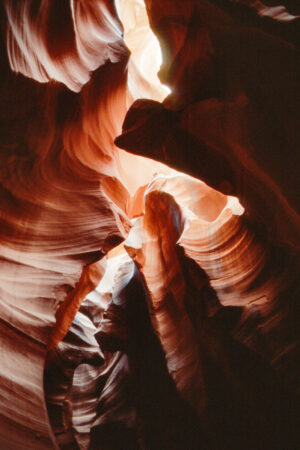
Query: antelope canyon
(150,227)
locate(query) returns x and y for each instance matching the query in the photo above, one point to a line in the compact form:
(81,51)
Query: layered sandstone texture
(149,225)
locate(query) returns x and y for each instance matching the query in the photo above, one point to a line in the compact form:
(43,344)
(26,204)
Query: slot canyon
(149,225)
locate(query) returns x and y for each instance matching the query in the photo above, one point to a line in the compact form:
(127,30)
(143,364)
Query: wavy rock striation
(149,233)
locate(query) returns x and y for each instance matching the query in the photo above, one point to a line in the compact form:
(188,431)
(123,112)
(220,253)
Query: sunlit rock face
(149,225)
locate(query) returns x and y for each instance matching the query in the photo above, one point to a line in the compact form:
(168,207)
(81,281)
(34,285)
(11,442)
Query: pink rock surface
(149,232)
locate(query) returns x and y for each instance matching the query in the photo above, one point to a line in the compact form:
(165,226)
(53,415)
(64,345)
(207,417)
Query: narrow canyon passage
(149,187)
